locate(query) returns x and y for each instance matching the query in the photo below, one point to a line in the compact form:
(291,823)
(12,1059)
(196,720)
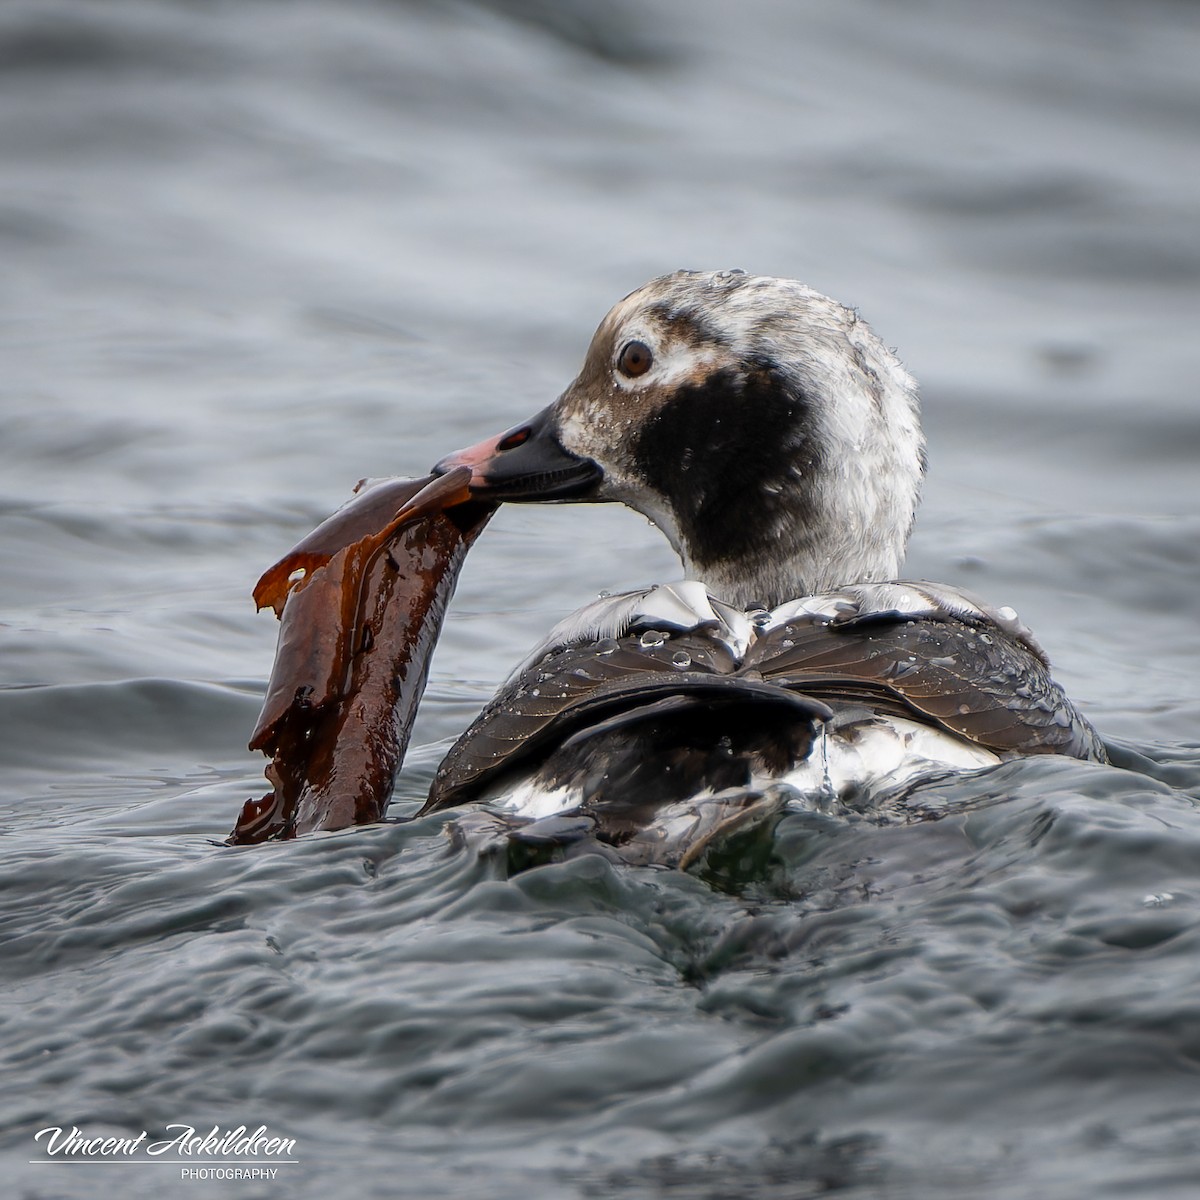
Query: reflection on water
(255,252)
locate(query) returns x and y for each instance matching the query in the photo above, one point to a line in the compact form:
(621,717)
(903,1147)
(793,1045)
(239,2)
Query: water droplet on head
(652,638)
(681,659)
(606,646)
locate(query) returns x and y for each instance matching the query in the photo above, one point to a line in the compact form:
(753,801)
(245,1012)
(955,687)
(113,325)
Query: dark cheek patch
(721,453)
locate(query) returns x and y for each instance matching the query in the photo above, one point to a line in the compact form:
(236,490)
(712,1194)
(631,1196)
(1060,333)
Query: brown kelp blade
(361,601)
(378,510)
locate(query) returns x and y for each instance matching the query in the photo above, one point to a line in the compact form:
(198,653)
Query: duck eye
(635,359)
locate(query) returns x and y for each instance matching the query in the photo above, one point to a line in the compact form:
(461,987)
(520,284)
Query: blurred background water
(255,251)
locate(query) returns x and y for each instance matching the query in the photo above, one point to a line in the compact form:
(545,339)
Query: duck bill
(527,464)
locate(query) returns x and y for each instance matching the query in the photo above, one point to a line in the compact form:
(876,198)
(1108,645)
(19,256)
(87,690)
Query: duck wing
(670,672)
(655,687)
(975,680)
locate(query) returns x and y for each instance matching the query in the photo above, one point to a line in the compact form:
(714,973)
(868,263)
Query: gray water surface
(253,252)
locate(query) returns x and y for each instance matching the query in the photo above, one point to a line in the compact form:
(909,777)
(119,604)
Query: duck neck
(809,539)
(768,580)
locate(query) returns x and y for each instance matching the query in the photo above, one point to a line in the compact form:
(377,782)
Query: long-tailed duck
(775,441)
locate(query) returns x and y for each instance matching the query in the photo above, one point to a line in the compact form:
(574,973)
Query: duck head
(762,426)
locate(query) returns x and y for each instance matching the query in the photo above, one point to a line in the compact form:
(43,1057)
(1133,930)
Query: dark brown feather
(974,681)
(574,687)
(971,680)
